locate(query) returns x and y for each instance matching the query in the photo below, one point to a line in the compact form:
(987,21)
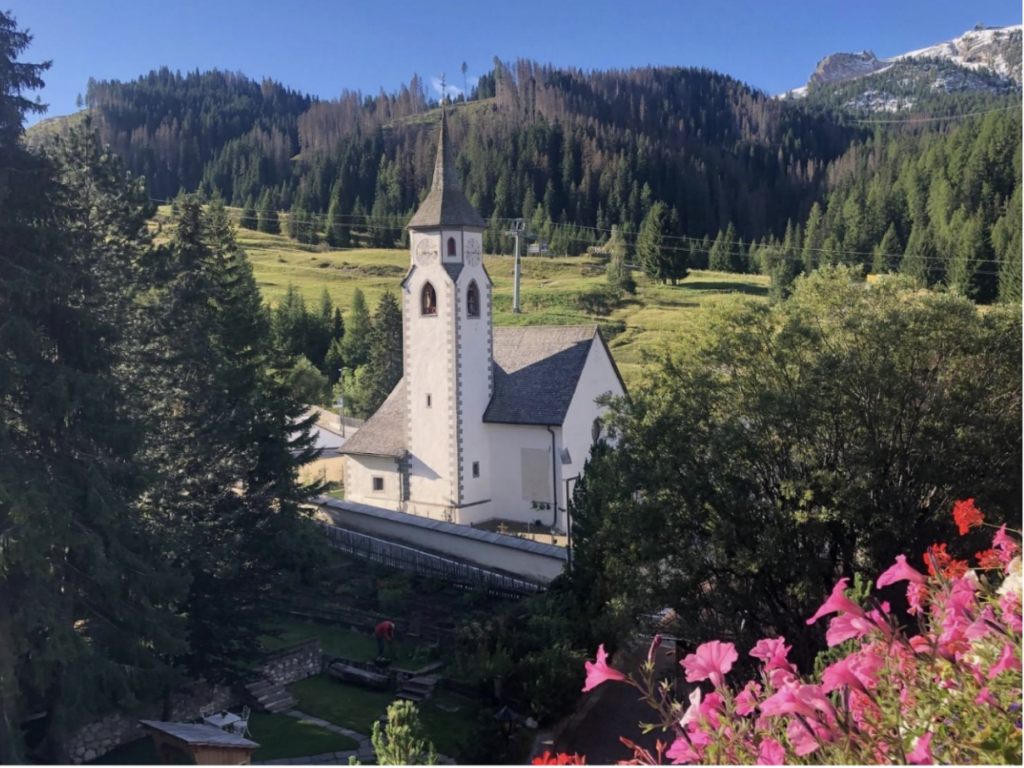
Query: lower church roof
(536,370)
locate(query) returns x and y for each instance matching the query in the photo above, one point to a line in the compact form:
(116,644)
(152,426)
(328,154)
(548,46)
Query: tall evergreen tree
(338,235)
(269,221)
(250,219)
(726,254)
(1006,242)
(619,275)
(887,253)
(384,367)
(356,344)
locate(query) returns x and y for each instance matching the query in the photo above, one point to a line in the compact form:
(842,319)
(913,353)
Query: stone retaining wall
(286,666)
(100,736)
(293,663)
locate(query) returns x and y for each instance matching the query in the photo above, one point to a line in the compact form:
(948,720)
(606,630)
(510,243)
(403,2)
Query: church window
(451,246)
(473,300)
(429,402)
(476,469)
(378,484)
(429,300)
(596,429)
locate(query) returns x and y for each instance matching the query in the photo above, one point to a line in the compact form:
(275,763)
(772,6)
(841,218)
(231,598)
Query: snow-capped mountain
(984,59)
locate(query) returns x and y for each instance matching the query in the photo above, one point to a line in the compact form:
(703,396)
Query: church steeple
(445,204)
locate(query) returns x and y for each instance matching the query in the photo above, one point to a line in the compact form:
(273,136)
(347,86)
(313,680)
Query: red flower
(989,558)
(937,559)
(967,516)
(560,759)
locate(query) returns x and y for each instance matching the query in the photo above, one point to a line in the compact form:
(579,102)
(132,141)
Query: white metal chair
(241,726)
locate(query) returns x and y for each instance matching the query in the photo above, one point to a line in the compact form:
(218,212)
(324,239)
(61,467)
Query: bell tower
(446,307)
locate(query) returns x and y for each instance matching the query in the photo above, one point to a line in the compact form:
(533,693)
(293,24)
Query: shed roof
(383,434)
(200,735)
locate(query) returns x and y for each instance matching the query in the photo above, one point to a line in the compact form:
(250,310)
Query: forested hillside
(591,149)
(749,183)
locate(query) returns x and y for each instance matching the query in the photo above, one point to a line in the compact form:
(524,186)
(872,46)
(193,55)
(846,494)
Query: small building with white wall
(487,423)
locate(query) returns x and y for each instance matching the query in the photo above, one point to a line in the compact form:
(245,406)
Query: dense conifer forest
(779,186)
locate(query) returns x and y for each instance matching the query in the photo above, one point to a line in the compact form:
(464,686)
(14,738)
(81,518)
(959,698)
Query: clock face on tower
(426,252)
(473,251)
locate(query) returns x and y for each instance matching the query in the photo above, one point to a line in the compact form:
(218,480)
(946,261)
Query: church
(487,424)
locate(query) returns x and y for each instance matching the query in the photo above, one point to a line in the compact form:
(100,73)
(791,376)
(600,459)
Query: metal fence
(409,559)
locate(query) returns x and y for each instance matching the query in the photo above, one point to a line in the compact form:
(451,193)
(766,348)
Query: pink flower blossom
(711,708)
(773,653)
(837,675)
(922,754)
(682,752)
(1007,662)
(805,736)
(600,672)
(693,711)
(1007,546)
(654,648)
(917,596)
(846,626)
(711,662)
(746,700)
(901,572)
(984,697)
(771,753)
(837,602)
(1009,604)
(985,624)
(805,700)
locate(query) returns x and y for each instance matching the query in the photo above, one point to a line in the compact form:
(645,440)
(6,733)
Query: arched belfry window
(451,246)
(429,300)
(473,300)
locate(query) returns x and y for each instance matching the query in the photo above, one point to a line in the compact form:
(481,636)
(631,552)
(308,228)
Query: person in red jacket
(384,632)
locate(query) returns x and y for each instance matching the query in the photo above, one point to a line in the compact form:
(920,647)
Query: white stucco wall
(506,442)
(474,369)
(598,378)
(359,474)
(429,370)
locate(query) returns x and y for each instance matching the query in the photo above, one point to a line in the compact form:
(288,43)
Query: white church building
(487,423)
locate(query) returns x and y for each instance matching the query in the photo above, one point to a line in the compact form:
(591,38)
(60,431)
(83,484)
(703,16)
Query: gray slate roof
(536,369)
(200,735)
(445,205)
(383,434)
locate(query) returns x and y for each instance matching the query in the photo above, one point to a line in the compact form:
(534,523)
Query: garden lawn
(281,736)
(346,705)
(337,641)
(450,732)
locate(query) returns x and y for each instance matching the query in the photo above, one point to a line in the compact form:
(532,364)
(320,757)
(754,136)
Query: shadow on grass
(718,287)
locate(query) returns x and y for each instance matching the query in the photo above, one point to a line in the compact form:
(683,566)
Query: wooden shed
(204,744)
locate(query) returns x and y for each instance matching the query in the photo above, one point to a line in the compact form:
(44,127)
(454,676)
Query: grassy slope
(338,641)
(550,288)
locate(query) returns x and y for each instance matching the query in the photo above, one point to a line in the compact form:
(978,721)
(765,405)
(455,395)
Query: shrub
(948,692)
(550,681)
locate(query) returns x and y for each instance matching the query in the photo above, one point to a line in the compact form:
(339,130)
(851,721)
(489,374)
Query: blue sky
(324,46)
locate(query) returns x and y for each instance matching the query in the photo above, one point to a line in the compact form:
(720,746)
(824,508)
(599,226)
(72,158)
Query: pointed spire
(445,176)
(445,204)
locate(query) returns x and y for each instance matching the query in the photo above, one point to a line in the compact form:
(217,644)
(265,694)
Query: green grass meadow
(550,291)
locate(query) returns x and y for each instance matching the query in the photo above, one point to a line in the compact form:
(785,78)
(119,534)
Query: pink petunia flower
(711,662)
(837,675)
(922,753)
(985,624)
(846,626)
(1009,606)
(985,697)
(692,712)
(773,653)
(746,700)
(1007,662)
(805,736)
(837,602)
(771,753)
(682,752)
(917,596)
(654,648)
(1007,546)
(600,672)
(901,572)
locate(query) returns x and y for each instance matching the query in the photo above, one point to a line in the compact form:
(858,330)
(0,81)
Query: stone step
(412,696)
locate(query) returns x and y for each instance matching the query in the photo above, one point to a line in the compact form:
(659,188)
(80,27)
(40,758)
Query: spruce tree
(1006,242)
(250,219)
(269,221)
(726,255)
(619,275)
(384,367)
(651,247)
(338,235)
(356,344)
(887,253)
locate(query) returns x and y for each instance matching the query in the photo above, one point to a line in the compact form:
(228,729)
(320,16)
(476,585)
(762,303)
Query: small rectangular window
(429,402)
(476,469)
(378,484)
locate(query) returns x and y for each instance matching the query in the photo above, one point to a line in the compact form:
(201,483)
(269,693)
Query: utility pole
(341,401)
(518,229)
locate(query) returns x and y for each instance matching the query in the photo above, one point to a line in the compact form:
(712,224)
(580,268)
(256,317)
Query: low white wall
(359,473)
(526,559)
